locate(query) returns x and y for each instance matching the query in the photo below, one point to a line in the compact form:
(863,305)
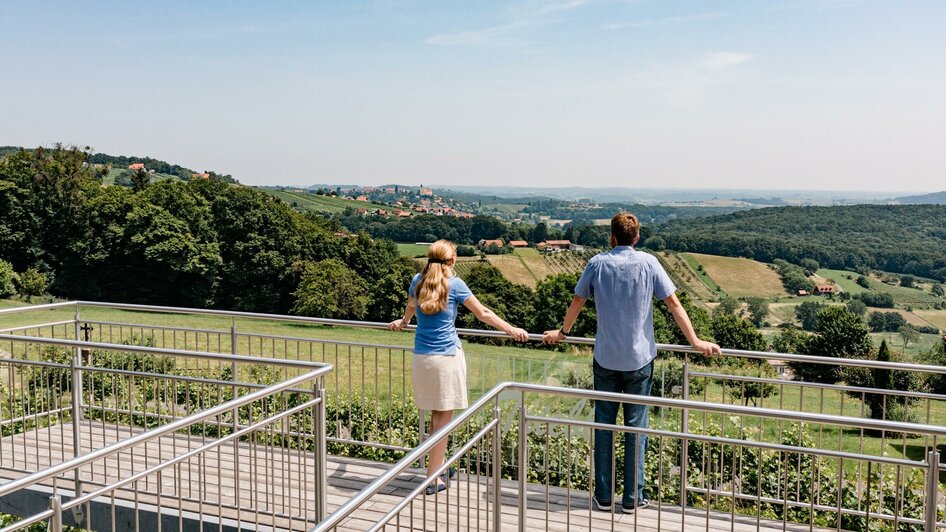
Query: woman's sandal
(438,486)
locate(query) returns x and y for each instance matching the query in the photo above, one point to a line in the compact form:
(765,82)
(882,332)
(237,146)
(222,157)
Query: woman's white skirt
(440,381)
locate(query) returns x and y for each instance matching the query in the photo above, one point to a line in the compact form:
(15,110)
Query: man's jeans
(637,382)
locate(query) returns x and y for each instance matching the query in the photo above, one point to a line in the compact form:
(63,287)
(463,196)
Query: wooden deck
(246,487)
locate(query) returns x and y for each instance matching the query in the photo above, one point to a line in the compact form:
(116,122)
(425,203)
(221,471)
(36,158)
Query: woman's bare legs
(438,418)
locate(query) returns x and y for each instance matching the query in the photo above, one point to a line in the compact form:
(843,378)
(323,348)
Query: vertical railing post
(77,416)
(684,429)
(523,464)
(497,468)
(932,490)
(321,471)
(234,345)
(55,522)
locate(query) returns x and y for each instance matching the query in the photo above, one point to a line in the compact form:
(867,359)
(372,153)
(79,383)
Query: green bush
(8,279)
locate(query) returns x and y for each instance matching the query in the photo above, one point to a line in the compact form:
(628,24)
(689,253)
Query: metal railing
(112,433)
(368,401)
(732,484)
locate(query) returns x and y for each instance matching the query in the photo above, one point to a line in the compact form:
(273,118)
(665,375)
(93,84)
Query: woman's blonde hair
(434,284)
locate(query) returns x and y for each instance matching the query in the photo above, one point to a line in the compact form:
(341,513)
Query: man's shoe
(641,504)
(602,507)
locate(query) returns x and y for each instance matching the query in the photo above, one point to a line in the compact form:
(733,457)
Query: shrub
(8,279)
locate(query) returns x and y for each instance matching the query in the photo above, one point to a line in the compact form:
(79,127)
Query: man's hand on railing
(707,348)
(552,337)
(397,325)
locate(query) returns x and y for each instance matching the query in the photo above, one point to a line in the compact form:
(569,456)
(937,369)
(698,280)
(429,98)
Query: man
(623,283)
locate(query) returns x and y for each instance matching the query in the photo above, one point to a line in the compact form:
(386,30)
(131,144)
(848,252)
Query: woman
(439,368)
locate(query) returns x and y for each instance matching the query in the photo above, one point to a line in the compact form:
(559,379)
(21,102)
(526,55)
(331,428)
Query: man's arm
(683,321)
(554,337)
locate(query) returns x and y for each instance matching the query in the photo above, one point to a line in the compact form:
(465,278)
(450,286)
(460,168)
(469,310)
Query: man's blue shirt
(623,283)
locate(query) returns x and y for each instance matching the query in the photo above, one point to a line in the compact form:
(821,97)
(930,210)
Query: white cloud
(553,7)
(495,37)
(669,21)
(724,59)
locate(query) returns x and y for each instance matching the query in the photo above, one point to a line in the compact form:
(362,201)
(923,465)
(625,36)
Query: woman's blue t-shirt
(436,334)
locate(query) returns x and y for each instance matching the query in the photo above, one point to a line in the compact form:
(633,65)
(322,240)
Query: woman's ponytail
(434,284)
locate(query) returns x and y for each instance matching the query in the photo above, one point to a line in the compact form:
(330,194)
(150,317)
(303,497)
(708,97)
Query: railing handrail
(31,308)
(224,357)
(418,453)
(155,433)
(576,340)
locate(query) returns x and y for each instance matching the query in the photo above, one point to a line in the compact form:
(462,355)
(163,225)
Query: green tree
(807,314)
(140,180)
(8,279)
(908,334)
(330,289)
(758,310)
(857,307)
(839,333)
(938,290)
(789,340)
(810,265)
(33,283)
(734,332)
(727,305)
(540,232)
(552,297)
(889,406)
(863,282)
(907,281)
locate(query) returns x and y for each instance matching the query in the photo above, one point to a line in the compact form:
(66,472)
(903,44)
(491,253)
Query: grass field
(514,269)
(844,279)
(527,252)
(901,296)
(412,250)
(701,274)
(740,277)
(936,317)
(315,203)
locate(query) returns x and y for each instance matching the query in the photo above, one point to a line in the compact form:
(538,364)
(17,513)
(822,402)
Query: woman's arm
(490,318)
(398,325)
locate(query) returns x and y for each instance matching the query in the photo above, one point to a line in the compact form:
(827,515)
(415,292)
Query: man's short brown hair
(625,227)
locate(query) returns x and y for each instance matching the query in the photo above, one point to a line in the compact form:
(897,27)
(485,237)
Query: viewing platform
(117,417)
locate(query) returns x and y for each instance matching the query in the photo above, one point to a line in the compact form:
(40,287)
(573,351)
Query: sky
(794,94)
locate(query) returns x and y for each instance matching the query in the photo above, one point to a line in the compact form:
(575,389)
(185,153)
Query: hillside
(316,203)
(741,277)
(934,198)
(906,239)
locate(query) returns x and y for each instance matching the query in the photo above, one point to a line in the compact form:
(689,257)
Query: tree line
(202,243)
(907,239)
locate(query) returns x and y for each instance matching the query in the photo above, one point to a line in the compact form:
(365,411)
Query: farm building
(555,245)
(487,243)
(824,289)
(136,166)
(518,243)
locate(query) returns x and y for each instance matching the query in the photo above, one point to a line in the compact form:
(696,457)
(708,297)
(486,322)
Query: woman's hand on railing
(397,325)
(518,334)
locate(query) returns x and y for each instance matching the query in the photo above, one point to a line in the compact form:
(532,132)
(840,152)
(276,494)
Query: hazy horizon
(829,95)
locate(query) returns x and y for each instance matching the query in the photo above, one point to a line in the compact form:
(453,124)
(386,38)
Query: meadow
(740,277)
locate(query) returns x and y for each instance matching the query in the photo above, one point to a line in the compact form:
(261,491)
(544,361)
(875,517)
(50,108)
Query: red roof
(136,166)
(558,242)
(518,243)
(497,242)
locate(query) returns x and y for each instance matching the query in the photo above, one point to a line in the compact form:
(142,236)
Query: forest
(906,239)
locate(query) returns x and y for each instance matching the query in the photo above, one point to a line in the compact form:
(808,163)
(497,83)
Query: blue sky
(832,94)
